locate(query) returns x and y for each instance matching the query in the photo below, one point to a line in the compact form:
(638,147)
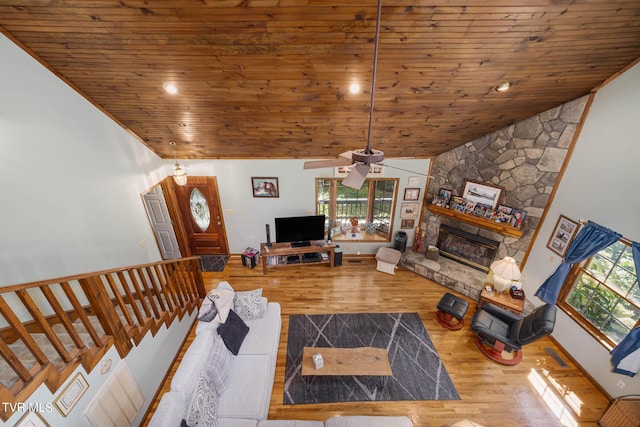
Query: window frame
(332,209)
(569,285)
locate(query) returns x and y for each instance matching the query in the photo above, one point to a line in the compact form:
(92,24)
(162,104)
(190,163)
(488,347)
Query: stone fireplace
(469,249)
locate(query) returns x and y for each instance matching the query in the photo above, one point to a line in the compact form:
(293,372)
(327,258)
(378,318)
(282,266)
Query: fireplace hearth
(466,248)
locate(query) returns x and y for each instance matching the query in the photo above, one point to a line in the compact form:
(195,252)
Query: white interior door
(156,207)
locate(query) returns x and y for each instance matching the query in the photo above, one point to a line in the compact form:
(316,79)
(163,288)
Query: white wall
(245,216)
(600,184)
(70,179)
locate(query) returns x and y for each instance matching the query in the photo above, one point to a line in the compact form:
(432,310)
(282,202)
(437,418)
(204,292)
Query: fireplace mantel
(498,227)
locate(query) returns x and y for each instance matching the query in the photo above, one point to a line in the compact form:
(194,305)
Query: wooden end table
(347,361)
(501,299)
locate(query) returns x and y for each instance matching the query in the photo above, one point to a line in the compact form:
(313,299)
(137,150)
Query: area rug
(213,262)
(418,371)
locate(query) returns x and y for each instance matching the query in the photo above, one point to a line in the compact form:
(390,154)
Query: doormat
(418,371)
(213,262)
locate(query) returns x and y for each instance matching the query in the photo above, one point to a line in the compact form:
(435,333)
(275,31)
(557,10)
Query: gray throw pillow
(250,305)
(233,332)
(203,409)
(219,366)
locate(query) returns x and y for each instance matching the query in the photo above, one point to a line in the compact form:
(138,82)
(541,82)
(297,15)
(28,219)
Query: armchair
(500,331)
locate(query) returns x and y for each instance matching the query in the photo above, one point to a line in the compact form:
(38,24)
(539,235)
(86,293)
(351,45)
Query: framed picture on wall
(485,194)
(562,235)
(407,223)
(71,394)
(265,187)
(411,193)
(409,210)
(31,419)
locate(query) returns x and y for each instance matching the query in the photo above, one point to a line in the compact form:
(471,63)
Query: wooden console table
(501,299)
(285,250)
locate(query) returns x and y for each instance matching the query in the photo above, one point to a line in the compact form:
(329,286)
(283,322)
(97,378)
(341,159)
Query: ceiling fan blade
(328,163)
(402,169)
(356,177)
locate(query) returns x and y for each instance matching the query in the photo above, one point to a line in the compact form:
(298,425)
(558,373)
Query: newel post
(103,308)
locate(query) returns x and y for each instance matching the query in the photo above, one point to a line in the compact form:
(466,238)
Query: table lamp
(504,272)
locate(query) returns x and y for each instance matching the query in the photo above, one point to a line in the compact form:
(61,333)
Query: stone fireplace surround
(525,159)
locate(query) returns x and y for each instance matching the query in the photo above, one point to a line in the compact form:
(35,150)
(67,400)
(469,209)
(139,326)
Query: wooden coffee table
(347,361)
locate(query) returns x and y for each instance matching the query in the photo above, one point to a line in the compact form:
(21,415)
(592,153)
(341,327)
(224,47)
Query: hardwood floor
(537,392)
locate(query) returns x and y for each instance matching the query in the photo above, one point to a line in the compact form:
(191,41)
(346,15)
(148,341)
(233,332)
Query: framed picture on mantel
(480,193)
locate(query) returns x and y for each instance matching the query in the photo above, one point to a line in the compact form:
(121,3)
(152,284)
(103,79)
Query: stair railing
(52,326)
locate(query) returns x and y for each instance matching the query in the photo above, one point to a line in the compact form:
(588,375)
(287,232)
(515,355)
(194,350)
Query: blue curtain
(591,239)
(625,357)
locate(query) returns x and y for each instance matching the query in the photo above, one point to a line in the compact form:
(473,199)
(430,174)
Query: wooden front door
(201,214)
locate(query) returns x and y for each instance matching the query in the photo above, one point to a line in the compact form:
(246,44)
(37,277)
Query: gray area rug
(213,262)
(418,371)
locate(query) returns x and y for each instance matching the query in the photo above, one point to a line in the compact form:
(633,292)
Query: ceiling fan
(364,158)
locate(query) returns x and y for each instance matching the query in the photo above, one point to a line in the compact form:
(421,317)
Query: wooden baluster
(150,283)
(62,315)
(82,315)
(23,333)
(101,303)
(130,297)
(139,293)
(145,290)
(159,284)
(171,283)
(42,322)
(15,363)
(119,300)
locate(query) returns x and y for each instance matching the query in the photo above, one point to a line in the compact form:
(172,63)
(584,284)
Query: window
(373,203)
(602,294)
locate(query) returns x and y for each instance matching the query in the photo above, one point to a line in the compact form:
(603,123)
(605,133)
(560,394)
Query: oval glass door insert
(200,209)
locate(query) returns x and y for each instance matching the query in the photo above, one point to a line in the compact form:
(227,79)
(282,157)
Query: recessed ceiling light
(504,86)
(170,88)
(354,88)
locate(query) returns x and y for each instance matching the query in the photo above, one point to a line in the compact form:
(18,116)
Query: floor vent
(555,356)
(354,261)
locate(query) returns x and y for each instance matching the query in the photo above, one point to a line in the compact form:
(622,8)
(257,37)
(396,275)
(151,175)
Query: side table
(501,299)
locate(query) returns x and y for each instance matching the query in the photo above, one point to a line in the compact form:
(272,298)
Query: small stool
(387,259)
(451,307)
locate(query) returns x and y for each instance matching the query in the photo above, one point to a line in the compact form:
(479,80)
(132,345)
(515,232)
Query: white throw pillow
(203,409)
(223,300)
(250,305)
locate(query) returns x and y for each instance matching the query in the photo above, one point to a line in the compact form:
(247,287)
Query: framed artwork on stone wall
(481,193)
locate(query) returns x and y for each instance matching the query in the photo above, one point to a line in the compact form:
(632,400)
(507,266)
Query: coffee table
(347,361)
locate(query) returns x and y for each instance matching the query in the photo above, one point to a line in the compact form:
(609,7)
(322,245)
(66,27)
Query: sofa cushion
(223,300)
(249,305)
(192,366)
(219,365)
(203,408)
(264,334)
(290,423)
(170,411)
(368,421)
(236,422)
(249,392)
(207,310)
(233,332)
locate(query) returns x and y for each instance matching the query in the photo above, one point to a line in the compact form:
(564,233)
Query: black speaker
(268,236)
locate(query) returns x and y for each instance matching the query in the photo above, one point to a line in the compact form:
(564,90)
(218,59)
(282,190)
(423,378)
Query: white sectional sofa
(244,401)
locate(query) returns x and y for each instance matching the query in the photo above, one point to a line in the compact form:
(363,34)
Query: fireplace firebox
(466,248)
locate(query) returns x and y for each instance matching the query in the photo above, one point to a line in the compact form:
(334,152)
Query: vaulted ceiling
(271,78)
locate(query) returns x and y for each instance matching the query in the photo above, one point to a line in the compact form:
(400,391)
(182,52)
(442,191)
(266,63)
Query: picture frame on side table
(411,193)
(479,192)
(265,187)
(409,210)
(71,394)
(562,235)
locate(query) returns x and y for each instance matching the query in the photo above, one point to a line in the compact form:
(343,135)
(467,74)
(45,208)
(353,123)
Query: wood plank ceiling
(270,78)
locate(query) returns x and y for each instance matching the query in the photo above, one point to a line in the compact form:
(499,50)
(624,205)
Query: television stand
(278,254)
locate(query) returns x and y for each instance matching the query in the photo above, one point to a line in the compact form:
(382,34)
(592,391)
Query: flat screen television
(300,228)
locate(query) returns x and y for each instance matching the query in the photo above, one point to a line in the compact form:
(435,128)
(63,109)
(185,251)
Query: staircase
(51,327)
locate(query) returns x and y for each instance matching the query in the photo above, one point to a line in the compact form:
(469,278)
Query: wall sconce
(179,175)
